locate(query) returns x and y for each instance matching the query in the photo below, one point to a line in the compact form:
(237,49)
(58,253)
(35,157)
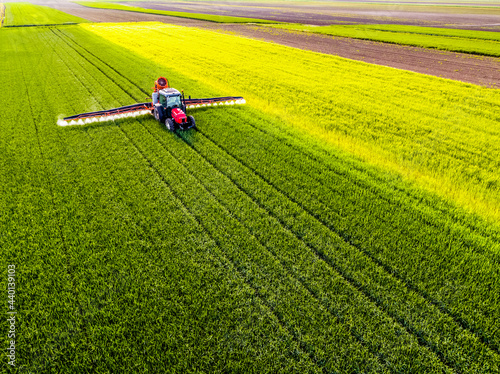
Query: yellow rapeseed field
(441,134)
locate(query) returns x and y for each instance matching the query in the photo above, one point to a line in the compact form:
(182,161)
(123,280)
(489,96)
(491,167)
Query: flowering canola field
(343,221)
(442,134)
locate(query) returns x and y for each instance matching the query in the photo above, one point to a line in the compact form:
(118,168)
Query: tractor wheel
(192,123)
(169,124)
(159,114)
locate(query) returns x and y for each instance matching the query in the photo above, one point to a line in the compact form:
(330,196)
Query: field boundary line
(97,67)
(103,62)
(463,323)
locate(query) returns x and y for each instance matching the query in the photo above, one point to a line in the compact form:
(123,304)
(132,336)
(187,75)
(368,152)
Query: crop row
(440,134)
(462,285)
(264,274)
(246,246)
(395,235)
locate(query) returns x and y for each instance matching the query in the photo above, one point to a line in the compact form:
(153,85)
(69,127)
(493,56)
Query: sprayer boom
(167,105)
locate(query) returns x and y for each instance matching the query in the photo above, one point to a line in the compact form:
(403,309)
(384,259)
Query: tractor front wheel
(192,123)
(169,124)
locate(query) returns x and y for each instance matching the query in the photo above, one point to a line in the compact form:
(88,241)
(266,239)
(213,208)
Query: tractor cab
(170,108)
(170,98)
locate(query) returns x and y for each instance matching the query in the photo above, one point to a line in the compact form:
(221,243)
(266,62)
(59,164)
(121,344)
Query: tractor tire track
(135,145)
(307,288)
(193,217)
(349,240)
(269,249)
(335,267)
(350,281)
(386,268)
(372,188)
(93,64)
(365,188)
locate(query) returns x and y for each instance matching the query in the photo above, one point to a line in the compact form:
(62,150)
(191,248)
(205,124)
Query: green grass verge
(475,42)
(203,17)
(20,14)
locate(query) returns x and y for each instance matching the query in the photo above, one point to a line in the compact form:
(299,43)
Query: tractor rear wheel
(159,113)
(169,124)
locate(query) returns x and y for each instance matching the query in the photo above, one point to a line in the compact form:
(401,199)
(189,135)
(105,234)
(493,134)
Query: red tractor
(168,106)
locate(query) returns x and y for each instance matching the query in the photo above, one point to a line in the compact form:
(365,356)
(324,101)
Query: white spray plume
(86,121)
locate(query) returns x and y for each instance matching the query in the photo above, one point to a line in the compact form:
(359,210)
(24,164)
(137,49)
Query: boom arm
(194,103)
(140,109)
(111,112)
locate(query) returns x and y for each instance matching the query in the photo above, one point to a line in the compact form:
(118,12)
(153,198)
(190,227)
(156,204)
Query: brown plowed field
(458,66)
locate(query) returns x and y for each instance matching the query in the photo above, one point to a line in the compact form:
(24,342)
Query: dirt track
(458,66)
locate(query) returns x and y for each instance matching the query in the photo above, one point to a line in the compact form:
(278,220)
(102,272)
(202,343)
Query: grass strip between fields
(198,16)
(465,41)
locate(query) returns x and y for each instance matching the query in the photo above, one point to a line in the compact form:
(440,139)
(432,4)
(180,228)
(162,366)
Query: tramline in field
(168,106)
